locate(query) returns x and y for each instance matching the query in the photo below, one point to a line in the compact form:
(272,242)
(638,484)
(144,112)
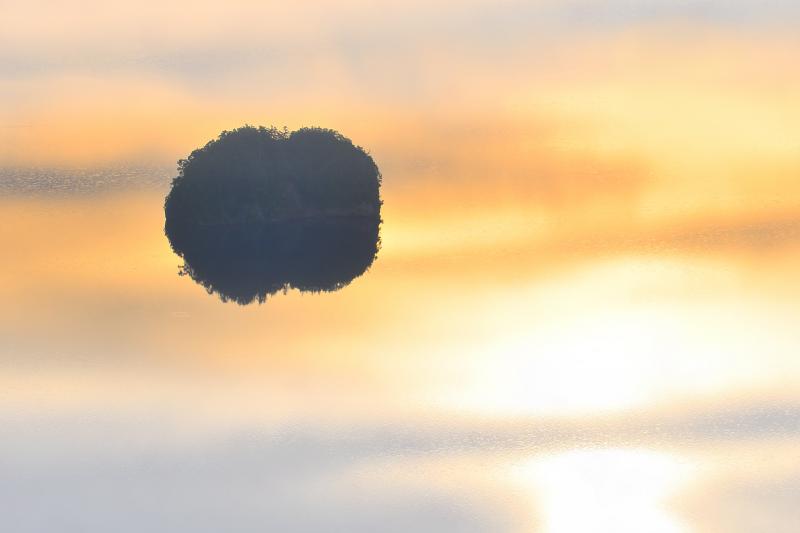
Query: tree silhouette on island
(262,210)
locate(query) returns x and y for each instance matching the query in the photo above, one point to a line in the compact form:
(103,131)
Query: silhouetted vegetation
(260,210)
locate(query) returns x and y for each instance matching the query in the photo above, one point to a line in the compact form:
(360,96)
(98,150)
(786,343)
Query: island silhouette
(261,210)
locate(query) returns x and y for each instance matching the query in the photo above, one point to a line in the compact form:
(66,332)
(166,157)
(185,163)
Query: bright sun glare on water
(622,334)
(612,490)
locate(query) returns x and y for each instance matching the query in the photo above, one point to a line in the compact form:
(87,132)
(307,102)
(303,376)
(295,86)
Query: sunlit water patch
(606,490)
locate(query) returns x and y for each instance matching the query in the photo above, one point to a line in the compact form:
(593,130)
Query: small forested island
(259,210)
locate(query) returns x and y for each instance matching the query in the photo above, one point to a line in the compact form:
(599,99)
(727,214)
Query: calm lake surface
(584,315)
(494,370)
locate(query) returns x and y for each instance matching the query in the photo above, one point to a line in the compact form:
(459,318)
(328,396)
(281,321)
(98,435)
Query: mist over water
(571,307)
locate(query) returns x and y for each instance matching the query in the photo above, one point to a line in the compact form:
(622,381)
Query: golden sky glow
(586,296)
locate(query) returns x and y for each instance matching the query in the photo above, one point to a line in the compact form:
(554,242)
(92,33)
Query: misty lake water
(507,363)
(583,317)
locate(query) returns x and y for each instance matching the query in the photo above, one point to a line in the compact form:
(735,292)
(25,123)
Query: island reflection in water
(249,262)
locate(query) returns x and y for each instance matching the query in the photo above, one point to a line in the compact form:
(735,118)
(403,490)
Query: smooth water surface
(583,316)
